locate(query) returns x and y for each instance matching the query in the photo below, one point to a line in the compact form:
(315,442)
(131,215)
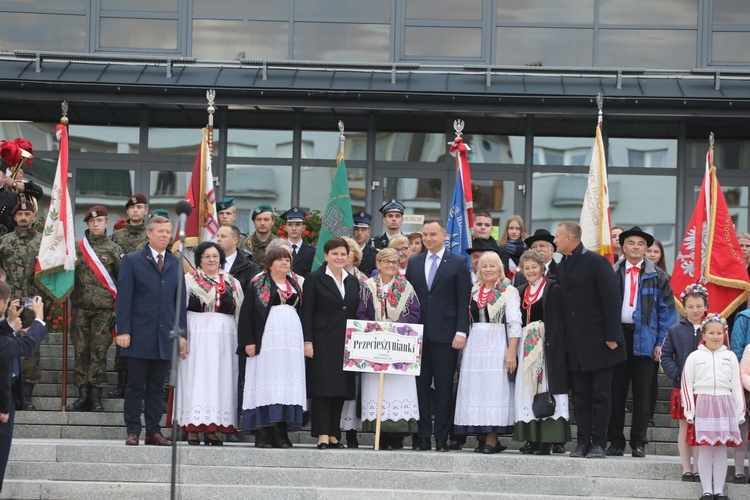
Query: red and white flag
(710,253)
(596,221)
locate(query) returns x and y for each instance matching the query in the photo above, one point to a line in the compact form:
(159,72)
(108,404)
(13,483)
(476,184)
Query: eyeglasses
(402,249)
(210,257)
(540,246)
(389,262)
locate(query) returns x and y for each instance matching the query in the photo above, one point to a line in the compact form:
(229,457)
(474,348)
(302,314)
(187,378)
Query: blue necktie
(433,270)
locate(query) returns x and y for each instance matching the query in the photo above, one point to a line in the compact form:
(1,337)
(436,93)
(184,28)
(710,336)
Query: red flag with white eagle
(710,253)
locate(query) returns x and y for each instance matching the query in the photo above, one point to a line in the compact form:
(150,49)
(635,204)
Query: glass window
(42,32)
(41,135)
(250,39)
(728,154)
(342,42)
(336,9)
(109,139)
(420,196)
(95,186)
(568,151)
(545,46)
(176,141)
(422,41)
(536,11)
(653,153)
(662,49)
(251,185)
(258,8)
(317,187)
(326,145)
(141,5)
(410,146)
(731,12)
(444,9)
(730,46)
(668,12)
(495,148)
(495,196)
(159,34)
(259,143)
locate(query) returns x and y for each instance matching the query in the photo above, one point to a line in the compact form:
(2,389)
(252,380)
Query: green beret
(263,207)
(160,212)
(224,204)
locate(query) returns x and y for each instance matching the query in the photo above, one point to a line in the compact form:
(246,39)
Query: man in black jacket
(302,253)
(240,265)
(362,231)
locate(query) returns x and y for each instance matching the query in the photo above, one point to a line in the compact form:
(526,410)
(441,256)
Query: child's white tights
(712,466)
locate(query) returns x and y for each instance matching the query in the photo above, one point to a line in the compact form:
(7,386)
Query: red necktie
(633,272)
(160,262)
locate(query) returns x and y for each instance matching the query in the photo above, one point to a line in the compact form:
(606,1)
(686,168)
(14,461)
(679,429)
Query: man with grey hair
(593,334)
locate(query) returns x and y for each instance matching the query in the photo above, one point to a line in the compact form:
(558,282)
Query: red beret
(95,211)
(135,199)
(23,205)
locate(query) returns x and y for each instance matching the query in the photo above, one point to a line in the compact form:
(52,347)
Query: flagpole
(64,395)
(600,105)
(211,95)
(342,139)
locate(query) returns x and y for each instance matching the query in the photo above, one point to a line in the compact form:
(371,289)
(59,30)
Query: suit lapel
(420,274)
(150,258)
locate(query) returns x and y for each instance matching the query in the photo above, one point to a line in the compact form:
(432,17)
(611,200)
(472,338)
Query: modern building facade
(521,74)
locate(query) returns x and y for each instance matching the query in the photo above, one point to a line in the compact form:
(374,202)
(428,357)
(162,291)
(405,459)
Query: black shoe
(279,437)
(82,403)
(335,446)
(351,439)
(415,442)
(558,448)
(214,441)
(441,445)
(740,479)
(615,451)
(542,449)
(527,448)
(398,443)
(491,450)
(424,444)
(26,403)
(707,496)
(322,446)
(455,444)
(263,438)
(95,399)
(580,451)
(596,451)
(639,451)
(721,497)
(119,390)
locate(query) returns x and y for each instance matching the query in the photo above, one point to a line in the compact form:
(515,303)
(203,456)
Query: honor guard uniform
(362,222)
(393,218)
(226,212)
(15,154)
(93,301)
(302,253)
(18,253)
(263,219)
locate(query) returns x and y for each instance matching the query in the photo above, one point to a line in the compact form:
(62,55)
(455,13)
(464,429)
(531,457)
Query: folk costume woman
(389,297)
(270,335)
(207,378)
(485,399)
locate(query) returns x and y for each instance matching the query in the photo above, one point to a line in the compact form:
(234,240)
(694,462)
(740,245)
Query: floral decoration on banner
(310,234)
(385,327)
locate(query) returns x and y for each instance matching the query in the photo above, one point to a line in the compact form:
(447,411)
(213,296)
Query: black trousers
(6,439)
(325,417)
(145,384)
(637,372)
(438,365)
(592,401)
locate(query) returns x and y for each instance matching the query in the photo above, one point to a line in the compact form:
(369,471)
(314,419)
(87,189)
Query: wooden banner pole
(380,412)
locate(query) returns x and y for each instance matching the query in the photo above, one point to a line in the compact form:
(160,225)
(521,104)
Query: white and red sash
(96,265)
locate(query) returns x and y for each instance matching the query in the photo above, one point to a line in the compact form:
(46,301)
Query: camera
(27,302)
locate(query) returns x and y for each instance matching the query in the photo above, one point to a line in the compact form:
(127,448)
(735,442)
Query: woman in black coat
(331,296)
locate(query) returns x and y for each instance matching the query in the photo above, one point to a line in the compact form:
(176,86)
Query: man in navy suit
(146,295)
(302,253)
(13,347)
(443,285)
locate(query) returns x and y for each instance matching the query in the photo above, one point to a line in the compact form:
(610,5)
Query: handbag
(511,375)
(544,403)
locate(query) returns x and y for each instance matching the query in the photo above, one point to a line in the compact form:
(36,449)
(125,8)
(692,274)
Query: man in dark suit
(240,265)
(393,219)
(595,342)
(146,299)
(302,253)
(13,347)
(362,231)
(443,285)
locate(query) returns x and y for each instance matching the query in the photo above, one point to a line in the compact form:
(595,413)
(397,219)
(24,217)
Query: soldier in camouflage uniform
(263,218)
(93,306)
(18,252)
(129,238)
(226,212)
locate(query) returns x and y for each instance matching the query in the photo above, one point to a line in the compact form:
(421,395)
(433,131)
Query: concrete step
(102,469)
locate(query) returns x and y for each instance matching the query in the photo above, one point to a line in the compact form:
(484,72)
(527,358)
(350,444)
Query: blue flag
(457,226)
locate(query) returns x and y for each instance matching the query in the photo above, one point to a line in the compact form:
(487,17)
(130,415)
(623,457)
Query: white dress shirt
(627,309)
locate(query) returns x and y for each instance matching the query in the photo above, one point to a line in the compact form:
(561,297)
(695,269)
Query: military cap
(23,205)
(160,212)
(135,199)
(294,215)
(224,204)
(95,211)
(362,219)
(263,207)
(392,206)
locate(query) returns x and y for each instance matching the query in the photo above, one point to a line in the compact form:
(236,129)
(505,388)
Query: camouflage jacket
(257,248)
(89,291)
(18,252)
(130,237)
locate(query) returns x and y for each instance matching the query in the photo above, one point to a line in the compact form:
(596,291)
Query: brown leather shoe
(158,440)
(132,440)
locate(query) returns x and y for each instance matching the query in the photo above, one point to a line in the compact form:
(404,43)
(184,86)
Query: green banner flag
(337,219)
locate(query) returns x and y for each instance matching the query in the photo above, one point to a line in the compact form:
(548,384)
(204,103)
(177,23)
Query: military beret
(95,211)
(23,205)
(263,207)
(135,199)
(392,206)
(294,215)
(224,204)
(362,219)
(160,212)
